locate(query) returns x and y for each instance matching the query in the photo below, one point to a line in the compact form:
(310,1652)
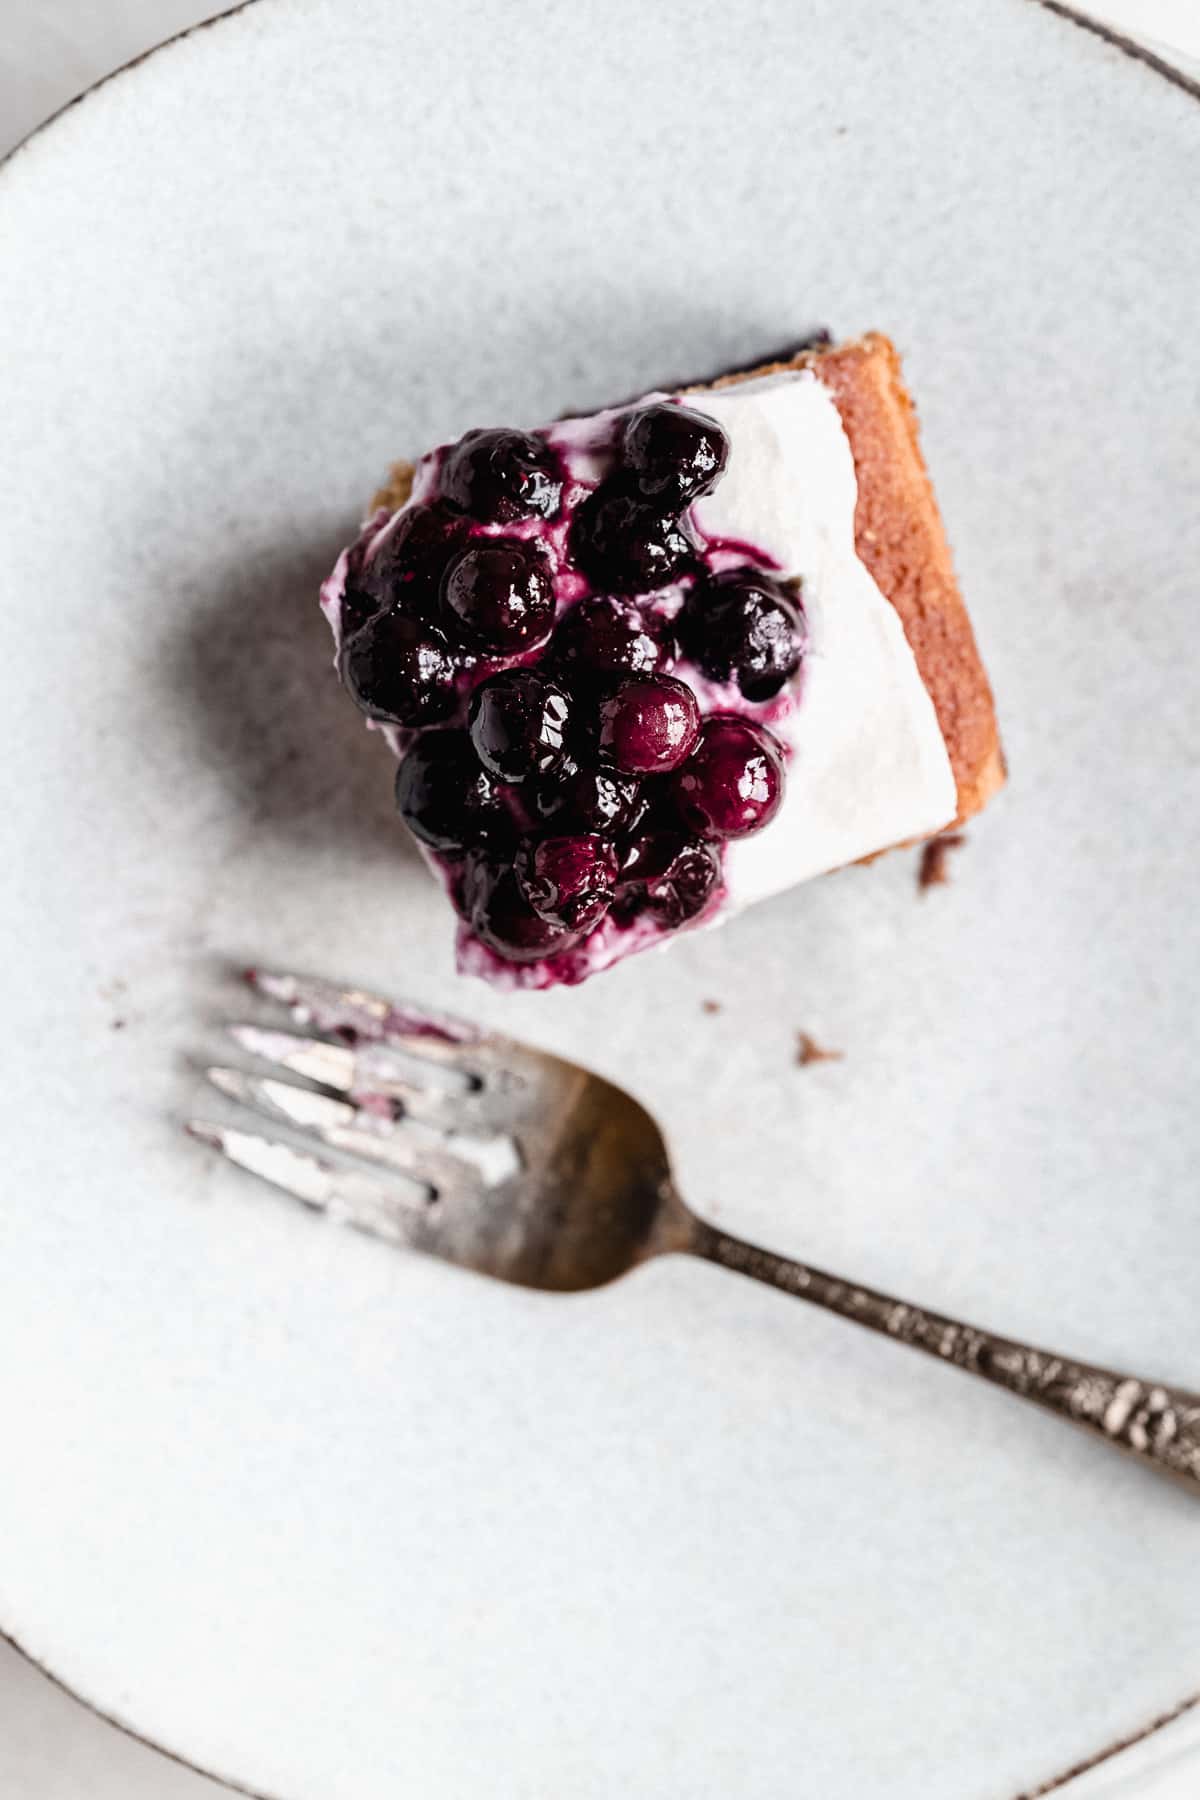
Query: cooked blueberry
(604,634)
(499,476)
(401,670)
(406,571)
(677,454)
(627,543)
(568,880)
(518,721)
(358,605)
(501,917)
(589,798)
(732,783)
(669,874)
(746,628)
(649,724)
(499,593)
(547,794)
(445,798)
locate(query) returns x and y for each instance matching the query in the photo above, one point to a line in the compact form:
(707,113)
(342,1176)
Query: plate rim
(1056,1782)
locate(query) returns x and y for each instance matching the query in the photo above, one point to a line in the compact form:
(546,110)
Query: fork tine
(346,1195)
(358,1015)
(330,1064)
(353,1130)
(369,1070)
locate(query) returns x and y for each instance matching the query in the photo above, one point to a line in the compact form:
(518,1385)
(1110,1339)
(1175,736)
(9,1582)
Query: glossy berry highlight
(649,724)
(400,670)
(675,453)
(568,880)
(498,476)
(445,798)
(518,722)
(742,626)
(627,544)
(732,784)
(499,597)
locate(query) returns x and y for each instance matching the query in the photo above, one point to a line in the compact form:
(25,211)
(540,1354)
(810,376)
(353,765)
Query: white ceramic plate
(335,1523)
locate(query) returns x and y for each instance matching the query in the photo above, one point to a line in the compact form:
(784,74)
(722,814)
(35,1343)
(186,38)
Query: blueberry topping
(518,722)
(627,543)
(499,595)
(603,634)
(568,880)
(744,627)
(405,573)
(400,670)
(498,476)
(445,798)
(670,875)
(498,913)
(675,453)
(732,783)
(358,605)
(591,798)
(584,782)
(649,724)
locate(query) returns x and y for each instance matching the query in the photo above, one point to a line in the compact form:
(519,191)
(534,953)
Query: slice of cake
(643,668)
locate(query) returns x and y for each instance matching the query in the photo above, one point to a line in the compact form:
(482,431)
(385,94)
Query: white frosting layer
(868,765)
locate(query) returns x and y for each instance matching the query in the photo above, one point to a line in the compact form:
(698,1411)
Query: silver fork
(524,1166)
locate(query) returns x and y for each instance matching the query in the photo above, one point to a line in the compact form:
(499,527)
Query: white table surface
(51,1747)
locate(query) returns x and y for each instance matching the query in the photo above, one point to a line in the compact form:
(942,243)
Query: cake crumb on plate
(933,871)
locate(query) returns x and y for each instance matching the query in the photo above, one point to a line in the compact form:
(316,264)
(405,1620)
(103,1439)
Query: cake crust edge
(397,489)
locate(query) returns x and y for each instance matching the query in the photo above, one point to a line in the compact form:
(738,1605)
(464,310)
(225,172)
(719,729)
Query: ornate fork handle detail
(1158,1423)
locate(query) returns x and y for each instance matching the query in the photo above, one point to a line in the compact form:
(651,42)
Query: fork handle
(1156,1423)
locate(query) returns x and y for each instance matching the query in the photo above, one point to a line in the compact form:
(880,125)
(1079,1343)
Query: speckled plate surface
(330,1522)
